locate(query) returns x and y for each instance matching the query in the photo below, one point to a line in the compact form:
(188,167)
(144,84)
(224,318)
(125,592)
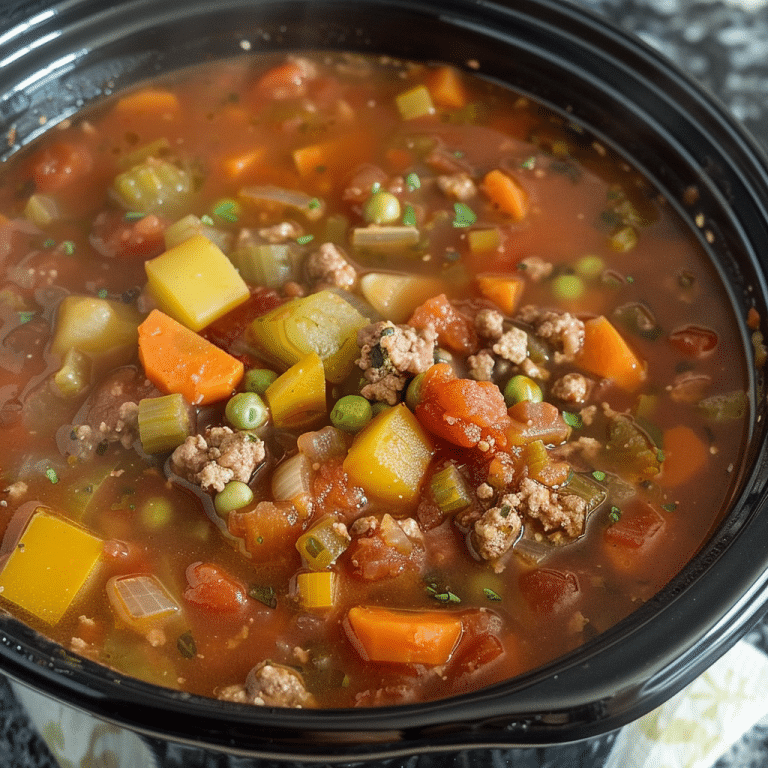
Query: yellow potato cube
(297,399)
(49,565)
(390,457)
(195,283)
(395,297)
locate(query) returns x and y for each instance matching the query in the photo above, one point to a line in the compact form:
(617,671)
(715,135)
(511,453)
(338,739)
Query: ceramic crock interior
(55,59)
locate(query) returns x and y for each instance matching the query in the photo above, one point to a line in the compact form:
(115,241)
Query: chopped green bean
(246,410)
(351,413)
(235,495)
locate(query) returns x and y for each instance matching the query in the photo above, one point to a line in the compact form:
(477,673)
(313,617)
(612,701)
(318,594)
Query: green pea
(156,512)
(590,266)
(413,392)
(258,380)
(235,495)
(567,287)
(381,208)
(521,388)
(351,413)
(442,355)
(246,410)
(378,408)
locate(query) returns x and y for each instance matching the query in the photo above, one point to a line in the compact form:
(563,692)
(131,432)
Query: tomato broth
(334,380)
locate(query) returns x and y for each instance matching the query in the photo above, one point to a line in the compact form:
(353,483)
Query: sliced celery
(385,239)
(449,490)
(322,544)
(190,226)
(164,423)
(725,407)
(638,319)
(153,186)
(157,148)
(587,488)
(270,264)
(630,450)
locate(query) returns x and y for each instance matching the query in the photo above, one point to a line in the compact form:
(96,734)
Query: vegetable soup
(331,381)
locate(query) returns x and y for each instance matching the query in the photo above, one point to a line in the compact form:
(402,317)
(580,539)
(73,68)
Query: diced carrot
(178,360)
(446,88)
(753,319)
(403,637)
(531,421)
(606,354)
(211,587)
(329,162)
(462,411)
(242,163)
(59,164)
(454,330)
(685,454)
(285,80)
(504,292)
(504,192)
(150,101)
(398,160)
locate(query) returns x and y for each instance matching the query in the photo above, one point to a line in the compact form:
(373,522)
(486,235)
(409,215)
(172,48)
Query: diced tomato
(536,421)
(285,81)
(333,489)
(115,237)
(693,340)
(455,331)
(630,540)
(548,590)
(270,529)
(474,654)
(462,411)
(211,587)
(59,164)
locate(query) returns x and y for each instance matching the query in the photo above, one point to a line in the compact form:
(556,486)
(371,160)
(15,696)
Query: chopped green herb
(669,507)
(68,247)
(573,420)
(465,216)
(491,595)
(458,153)
(614,515)
(529,163)
(630,279)
(186,646)
(313,204)
(226,210)
(599,475)
(49,243)
(409,216)
(50,473)
(660,455)
(103,293)
(263,594)
(206,220)
(134,215)
(25,317)
(447,597)
(505,510)
(412,181)
(375,187)
(304,239)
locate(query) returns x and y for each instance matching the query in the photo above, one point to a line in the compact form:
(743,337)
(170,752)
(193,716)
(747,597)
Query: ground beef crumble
(562,329)
(328,266)
(270,685)
(218,456)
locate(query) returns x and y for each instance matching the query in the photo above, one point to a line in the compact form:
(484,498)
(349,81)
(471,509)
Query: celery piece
(95,327)
(164,423)
(323,543)
(156,148)
(587,488)
(415,102)
(536,458)
(630,450)
(41,210)
(638,319)
(190,226)
(385,239)
(153,186)
(623,240)
(726,406)
(270,265)
(316,589)
(74,376)
(449,490)
(312,207)
(323,322)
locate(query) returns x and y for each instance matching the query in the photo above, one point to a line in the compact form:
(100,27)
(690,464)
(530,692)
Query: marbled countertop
(722,45)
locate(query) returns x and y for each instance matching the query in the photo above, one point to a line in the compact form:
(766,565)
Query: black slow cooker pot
(58,57)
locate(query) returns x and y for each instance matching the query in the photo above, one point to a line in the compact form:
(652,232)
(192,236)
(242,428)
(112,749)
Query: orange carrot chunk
(446,88)
(685,454)
(504,192)
(177,360)
(606,354)
(504,292)
(455,331)
(403,637)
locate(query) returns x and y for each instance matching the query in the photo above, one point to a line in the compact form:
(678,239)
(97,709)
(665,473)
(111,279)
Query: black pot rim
(626,671)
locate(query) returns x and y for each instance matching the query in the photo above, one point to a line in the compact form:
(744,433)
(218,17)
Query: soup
(337,381)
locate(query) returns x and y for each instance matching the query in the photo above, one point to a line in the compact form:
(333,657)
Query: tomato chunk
(211,587)
(548,590)
(455,331)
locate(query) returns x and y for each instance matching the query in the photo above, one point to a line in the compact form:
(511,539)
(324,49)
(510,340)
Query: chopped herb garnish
(134,215)
(573,420)
(447,597)
(659,455)
(313,204)
(50,473)
(25,317)
(465,216)
(458,153)
(452,255)
(599,475)
(529,163)
(304,239)
(263,594)
(226,210)
(409,216)
(207,220)
(186,645)
(669,507)
(491,595)
(412,181)
(505,510)
(388,331)
(49,243)
(102,448)
(68,247)
(614,515)
(375,187)
(630,279)
(103,293)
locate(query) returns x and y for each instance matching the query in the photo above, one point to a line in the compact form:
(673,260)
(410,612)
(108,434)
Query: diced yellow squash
(95,327)
(296,399)
(195,283)
(323,322)
(51,562)
(415,102)
(390,457)
(316,589)
(141,601)
(395,297)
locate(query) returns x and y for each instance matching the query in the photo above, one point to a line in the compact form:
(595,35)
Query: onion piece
(311,207)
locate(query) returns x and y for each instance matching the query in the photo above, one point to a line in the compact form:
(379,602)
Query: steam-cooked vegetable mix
(332,381)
